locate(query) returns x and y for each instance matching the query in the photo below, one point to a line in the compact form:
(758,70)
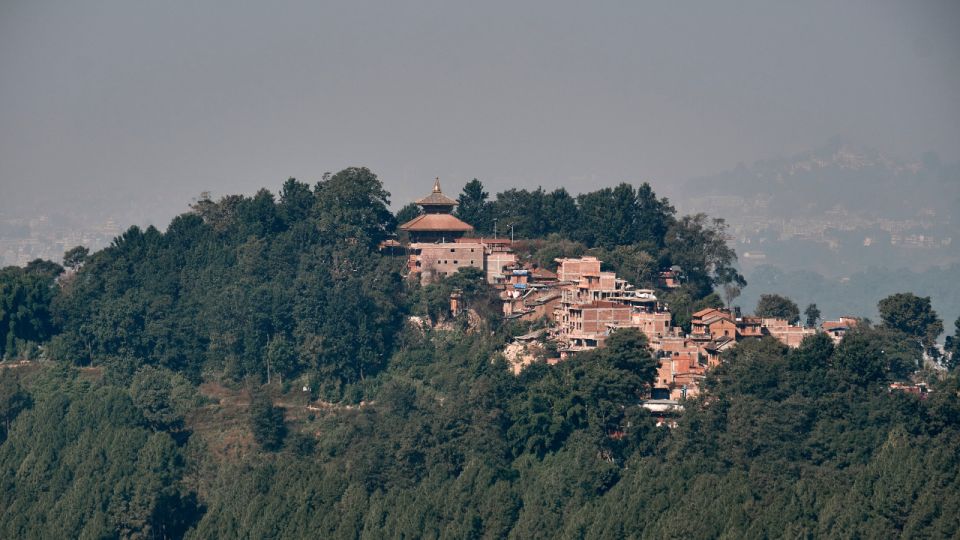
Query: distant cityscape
(23,240)
(757,234)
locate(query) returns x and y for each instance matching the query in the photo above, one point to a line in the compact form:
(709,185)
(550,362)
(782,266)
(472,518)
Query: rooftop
(436,222)
(437,198)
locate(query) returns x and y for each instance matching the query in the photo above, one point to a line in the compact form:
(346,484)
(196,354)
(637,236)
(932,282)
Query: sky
(130,108)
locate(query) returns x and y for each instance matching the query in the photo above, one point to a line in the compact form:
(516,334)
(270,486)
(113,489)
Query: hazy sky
(141,105)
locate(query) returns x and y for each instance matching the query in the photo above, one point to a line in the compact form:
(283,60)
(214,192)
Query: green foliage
(244,286)
(789,442)
(84,466)
(473,207)
(163,397)
(296,201)
(779,307)
(75,257)
(426,433)
(266,422)
(912,315)
(25,316)
(408,212)
(623,216)
(631,263)
(813,315)
(952,347)
(433,300)
(13,400)
(544,252)
(699,247)
(770,451)
(352,205)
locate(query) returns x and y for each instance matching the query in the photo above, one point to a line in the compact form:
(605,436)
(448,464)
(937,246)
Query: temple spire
(437,202)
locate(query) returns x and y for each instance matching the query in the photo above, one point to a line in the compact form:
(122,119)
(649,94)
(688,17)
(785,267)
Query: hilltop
(268,366)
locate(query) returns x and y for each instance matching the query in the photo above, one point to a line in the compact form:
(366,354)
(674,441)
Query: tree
(352,205)
(281,357)
(473,207)
(698,245)
(627,349)
(296,200)
(75,257)
(44,268)
(730,293)
(863,356)
(732,282)
(543,253)
(779,307)
(266,422)
(952,347)
(813,314)
(407,213)
(13,399)
(560,212)
(26,295)
(162,396)
(521,212)
(912,315)
(631,263)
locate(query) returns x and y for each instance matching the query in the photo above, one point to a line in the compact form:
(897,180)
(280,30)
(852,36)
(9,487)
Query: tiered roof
(436,198)
(436,217)
(436,223)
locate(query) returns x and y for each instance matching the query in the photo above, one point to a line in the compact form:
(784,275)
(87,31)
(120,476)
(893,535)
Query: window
(454,262)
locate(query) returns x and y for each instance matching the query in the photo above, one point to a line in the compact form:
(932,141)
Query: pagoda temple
(437,223)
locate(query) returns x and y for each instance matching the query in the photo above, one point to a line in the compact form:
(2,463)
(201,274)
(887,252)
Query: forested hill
(261,370)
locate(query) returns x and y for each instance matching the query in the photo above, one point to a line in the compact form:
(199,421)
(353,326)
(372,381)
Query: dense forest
(261,370)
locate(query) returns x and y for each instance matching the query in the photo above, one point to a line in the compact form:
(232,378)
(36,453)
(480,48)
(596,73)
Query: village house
(682,366)
(668,279)
(586,303)
(837,329)
(749,327)
(528,293)
(786,333)
(594,303)
(711,324)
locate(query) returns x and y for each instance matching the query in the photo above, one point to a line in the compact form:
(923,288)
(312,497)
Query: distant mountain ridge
(839,177)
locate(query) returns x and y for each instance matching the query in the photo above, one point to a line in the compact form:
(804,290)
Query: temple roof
(437,198)
(435,223)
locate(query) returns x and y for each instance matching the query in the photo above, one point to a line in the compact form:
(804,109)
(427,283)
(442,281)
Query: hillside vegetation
(261,370)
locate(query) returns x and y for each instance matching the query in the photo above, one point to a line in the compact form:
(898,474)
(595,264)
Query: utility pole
(494,228)
(511,234)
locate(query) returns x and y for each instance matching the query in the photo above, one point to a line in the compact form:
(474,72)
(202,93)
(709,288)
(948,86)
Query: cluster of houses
(585,304)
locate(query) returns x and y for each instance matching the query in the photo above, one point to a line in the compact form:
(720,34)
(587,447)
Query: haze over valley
(479,270)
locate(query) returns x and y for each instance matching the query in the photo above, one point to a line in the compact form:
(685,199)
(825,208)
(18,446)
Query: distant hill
(836,210)
(840,176)
(858,293)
